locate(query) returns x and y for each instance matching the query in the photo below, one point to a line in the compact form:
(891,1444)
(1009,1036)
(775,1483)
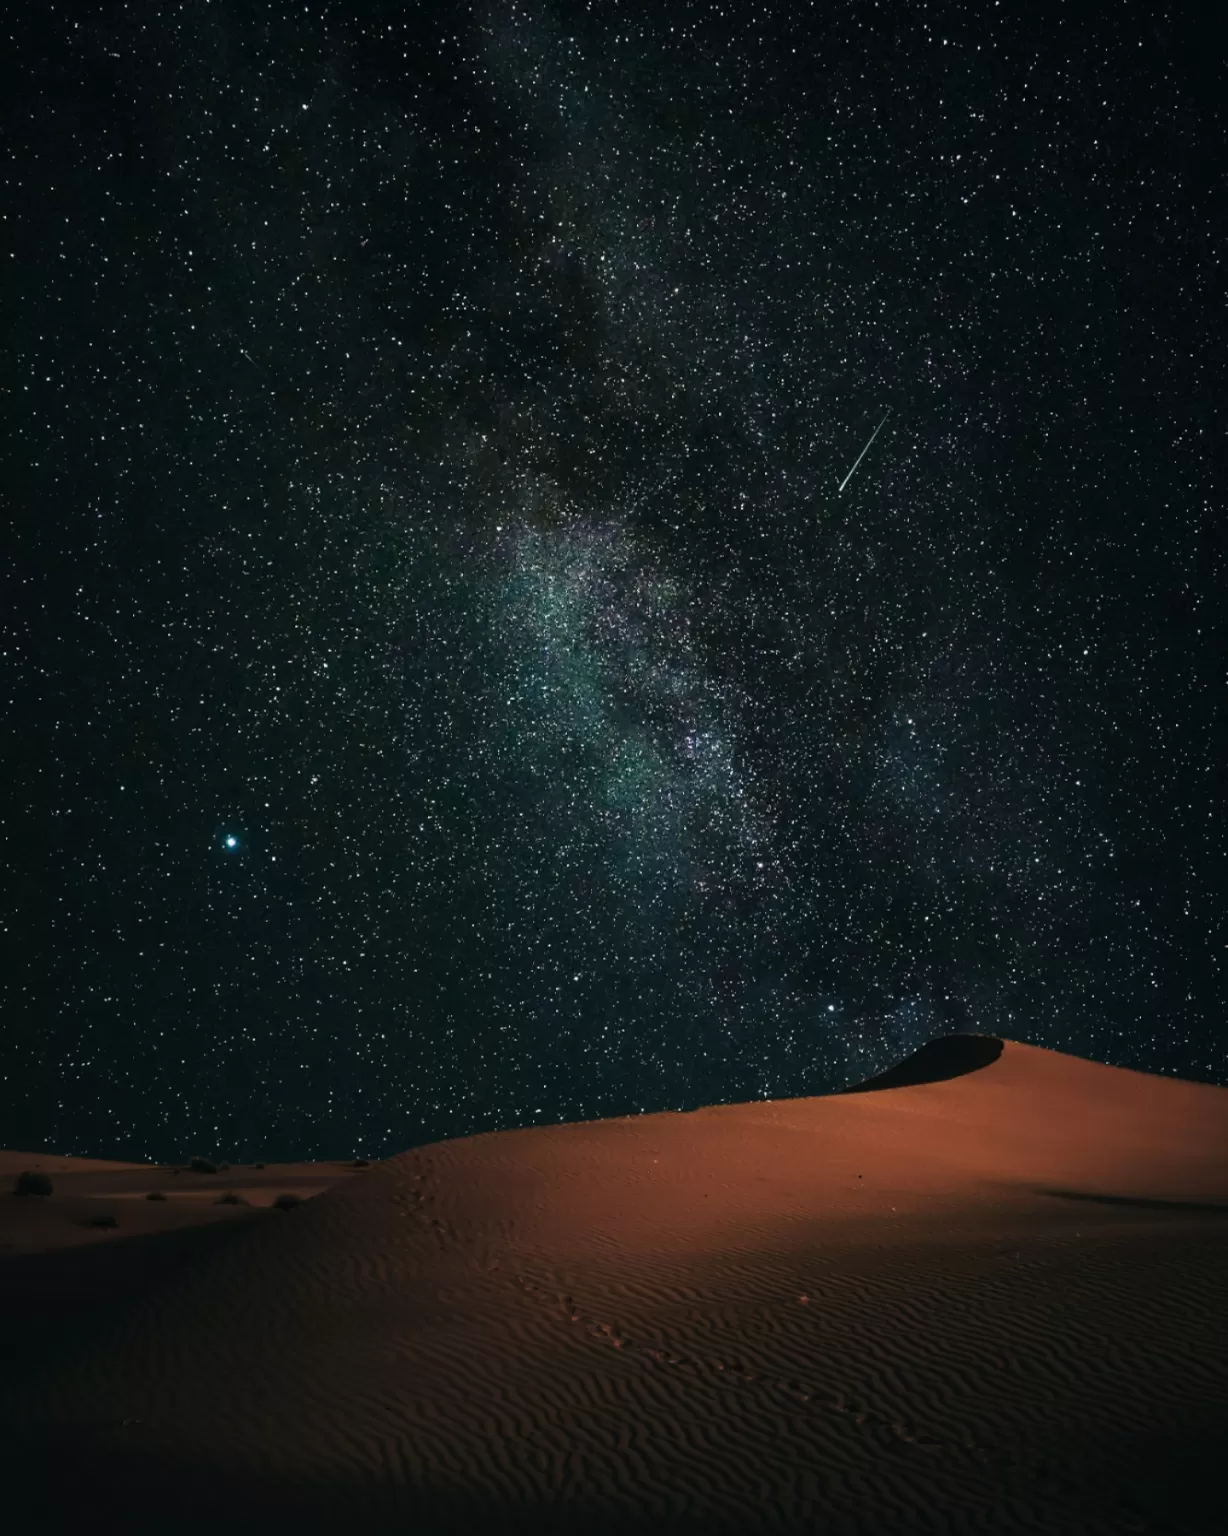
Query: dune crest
(938,1060)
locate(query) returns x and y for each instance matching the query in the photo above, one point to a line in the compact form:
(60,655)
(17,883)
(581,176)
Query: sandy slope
(988,1303)
(85,1189)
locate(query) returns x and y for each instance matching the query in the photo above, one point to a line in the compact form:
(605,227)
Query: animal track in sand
(736,1372)
(891,1433)
(416,1202)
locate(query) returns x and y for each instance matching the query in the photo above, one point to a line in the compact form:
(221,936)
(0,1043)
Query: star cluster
(451,687)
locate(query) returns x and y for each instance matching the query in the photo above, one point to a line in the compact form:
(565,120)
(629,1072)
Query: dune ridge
(936,1061)
(985,1300)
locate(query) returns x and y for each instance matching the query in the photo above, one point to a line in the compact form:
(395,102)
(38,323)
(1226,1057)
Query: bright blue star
(231,841)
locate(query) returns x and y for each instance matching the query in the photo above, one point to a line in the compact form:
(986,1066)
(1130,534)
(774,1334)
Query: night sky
(446,687)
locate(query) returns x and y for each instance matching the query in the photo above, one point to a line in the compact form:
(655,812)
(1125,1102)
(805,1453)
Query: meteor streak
(864,451)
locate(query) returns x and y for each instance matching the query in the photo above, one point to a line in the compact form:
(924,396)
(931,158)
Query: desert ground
(986,1292)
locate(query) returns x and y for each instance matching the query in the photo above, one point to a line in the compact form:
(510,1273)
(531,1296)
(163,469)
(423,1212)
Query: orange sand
(994,1302)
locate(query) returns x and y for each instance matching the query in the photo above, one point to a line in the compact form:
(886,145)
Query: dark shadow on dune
(937,1061)
(1138,1203)
(1173,1481)
(94,1477)
(58,1303)
(90,1478)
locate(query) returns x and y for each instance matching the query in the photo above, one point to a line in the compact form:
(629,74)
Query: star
(581,661)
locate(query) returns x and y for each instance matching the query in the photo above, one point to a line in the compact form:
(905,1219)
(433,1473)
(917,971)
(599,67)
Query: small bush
(231,1198)
(202,1165)
(223,1167)
(155,1194)
(104,1221)
(361,1162)
(32,1184)
(259,1165)
(287,1202)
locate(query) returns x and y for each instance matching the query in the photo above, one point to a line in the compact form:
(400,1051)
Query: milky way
(436,431)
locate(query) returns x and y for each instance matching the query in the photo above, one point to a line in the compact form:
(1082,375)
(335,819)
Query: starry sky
(450,681)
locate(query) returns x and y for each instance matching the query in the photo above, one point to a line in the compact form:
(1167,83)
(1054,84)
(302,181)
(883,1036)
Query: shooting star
(864,451)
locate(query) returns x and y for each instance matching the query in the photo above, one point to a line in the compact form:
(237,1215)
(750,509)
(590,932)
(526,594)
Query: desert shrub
(202,1165)
(231,1198)
(223,1167)
(287,1202)
(259,1165)
(361,1162)
(155,1194)
(104,1221)
(32,1184)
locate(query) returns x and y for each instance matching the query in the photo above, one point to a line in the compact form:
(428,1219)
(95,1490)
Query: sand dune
(987,1299)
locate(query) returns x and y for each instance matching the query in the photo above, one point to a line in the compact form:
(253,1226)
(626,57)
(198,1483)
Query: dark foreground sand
(994,1301)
